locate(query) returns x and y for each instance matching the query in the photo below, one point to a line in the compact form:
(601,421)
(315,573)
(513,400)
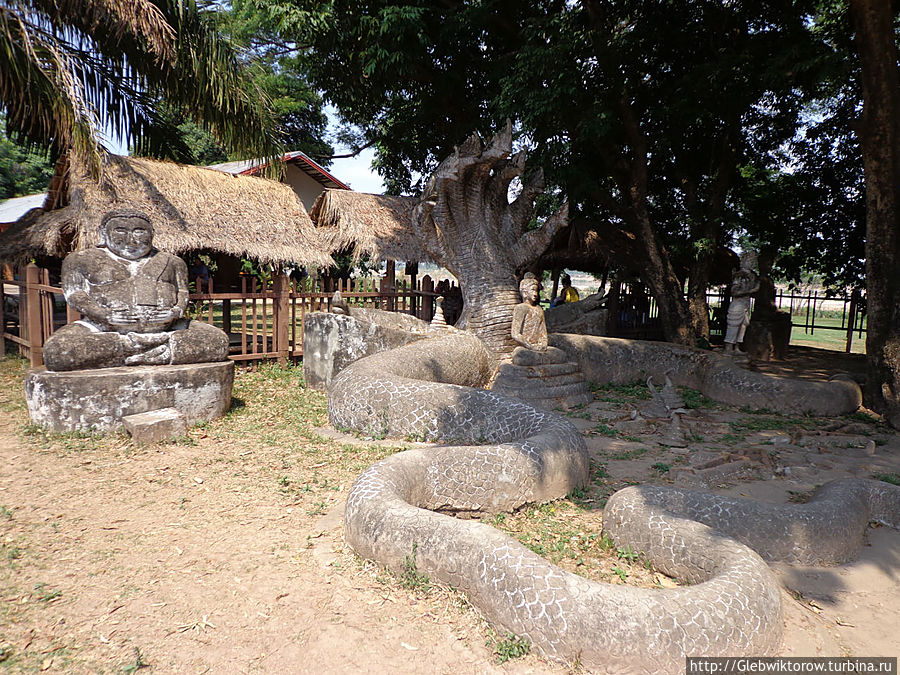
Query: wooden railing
(262,320)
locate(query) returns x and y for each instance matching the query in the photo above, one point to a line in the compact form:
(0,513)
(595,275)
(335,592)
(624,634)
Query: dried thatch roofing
(379,226)
(192,208)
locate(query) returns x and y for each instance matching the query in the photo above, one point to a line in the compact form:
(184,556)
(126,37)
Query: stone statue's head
(749,260)
(529,288)
(127,233)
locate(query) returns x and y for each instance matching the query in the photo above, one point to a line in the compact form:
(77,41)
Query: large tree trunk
(873,21)
(467,224)
(657,268)
(660,276)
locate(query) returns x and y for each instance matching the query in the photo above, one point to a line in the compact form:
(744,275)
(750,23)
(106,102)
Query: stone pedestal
(545,379)
(768,337)
(81,400)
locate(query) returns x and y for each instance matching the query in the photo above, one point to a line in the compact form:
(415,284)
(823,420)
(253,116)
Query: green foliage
(510,647)
(625,553)
(630,454)
(280,71)
(892,478)
(23,171)
(43,593)
(695,399)
(606,430)
(410,577)
(136,664)
(684,112)
(126,62)
(621,393)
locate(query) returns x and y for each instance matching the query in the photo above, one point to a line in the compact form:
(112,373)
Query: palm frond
(70,68)
(139,20)
(44,101)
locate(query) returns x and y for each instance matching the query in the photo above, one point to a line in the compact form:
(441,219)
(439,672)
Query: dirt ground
(223,553)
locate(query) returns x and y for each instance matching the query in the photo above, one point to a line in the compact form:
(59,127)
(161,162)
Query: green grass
(136,664)
(629,454)
(695,399)
(758,421)
(823,336)
(621,393)
(410,578)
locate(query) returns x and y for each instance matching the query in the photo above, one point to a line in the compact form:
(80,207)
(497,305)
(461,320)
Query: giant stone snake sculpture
(509,453)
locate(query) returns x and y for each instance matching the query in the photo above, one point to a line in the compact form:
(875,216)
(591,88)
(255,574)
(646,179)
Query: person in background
(567,293)
(198,272)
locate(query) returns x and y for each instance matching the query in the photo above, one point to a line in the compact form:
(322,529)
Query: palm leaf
(69,68)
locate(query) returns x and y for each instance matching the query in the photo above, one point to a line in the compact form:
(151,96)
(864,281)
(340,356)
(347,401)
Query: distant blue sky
(357,172)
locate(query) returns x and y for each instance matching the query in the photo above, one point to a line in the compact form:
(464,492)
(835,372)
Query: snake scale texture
(506,454)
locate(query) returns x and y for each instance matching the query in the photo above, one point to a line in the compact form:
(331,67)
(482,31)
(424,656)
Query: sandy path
(185,554)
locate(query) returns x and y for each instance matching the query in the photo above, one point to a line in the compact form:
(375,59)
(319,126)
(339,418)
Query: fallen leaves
(196,626)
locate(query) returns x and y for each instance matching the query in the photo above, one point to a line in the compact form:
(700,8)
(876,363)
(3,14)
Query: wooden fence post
(2,316)
(388,284)
(33,318)
(412,269)
(281,317)
(851,320)
(427,298)
(387,288)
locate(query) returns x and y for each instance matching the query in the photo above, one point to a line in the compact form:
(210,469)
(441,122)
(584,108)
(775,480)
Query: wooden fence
(262,320)
(265,320)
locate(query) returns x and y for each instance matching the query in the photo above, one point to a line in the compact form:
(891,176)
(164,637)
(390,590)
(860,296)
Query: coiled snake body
(509,453)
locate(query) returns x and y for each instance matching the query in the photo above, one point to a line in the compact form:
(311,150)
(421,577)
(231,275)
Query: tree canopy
(649,117)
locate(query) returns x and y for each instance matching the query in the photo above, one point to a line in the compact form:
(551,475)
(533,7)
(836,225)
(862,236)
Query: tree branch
(356,151)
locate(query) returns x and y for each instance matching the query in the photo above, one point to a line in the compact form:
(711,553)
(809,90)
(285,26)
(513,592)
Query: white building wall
(305,187)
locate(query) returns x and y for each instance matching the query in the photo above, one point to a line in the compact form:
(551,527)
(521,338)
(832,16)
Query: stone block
(155,426)
(82,400)
(331,342)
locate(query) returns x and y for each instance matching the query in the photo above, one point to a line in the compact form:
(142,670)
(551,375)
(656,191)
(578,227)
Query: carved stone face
(529,289)
(129,238)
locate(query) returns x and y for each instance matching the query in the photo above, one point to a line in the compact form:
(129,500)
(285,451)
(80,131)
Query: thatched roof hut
(379,226)
(192,208)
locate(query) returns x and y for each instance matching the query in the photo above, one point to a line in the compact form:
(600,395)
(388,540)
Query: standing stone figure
(528,326)
(744,284)
(769,333)
(132,299)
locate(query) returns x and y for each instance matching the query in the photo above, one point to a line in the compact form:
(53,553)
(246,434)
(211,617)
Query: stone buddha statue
(537,373)
(132,299)
(528,326)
